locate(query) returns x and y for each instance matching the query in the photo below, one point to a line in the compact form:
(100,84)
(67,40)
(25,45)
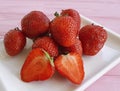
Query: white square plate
(95,67)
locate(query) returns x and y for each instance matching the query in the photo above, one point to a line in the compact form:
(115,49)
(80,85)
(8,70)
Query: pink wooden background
(105,12)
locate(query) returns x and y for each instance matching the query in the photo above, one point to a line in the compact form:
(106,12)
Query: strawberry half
(38,66)
(71,67)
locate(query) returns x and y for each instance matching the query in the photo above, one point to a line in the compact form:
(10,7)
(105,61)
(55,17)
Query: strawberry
(93,38)
(14,42)
(71,67)
(38,66)
(74,14)
(47,44)
(34,24)
(64,30)
(77,47)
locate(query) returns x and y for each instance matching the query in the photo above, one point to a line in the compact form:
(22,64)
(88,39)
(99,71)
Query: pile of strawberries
(57,45)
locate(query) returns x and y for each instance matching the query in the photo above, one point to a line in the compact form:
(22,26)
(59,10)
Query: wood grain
(105,12)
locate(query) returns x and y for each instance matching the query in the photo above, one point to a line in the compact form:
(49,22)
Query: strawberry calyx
(16,28)
(48,57)
(56,14)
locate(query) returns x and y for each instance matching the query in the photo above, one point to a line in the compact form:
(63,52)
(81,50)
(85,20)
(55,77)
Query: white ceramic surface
(95,67)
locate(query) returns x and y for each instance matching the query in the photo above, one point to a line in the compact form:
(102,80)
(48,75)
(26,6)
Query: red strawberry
(14,42)
(71,67)
(64,30)
(77,47)
(47,44)
(74,14)
(93,38)
(38,66)
(34,24)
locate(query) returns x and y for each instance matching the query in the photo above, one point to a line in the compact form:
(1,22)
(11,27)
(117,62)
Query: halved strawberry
(71,67)
(38,66)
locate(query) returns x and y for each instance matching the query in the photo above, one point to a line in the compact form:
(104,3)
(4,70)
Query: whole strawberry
(77,47)
(74,14)
(14,42)
(34,24)
(64,30)
(71,67)
(47,44)
(93,38)
(37,66)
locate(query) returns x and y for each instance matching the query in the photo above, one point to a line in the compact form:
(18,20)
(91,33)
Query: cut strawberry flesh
(70,66)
